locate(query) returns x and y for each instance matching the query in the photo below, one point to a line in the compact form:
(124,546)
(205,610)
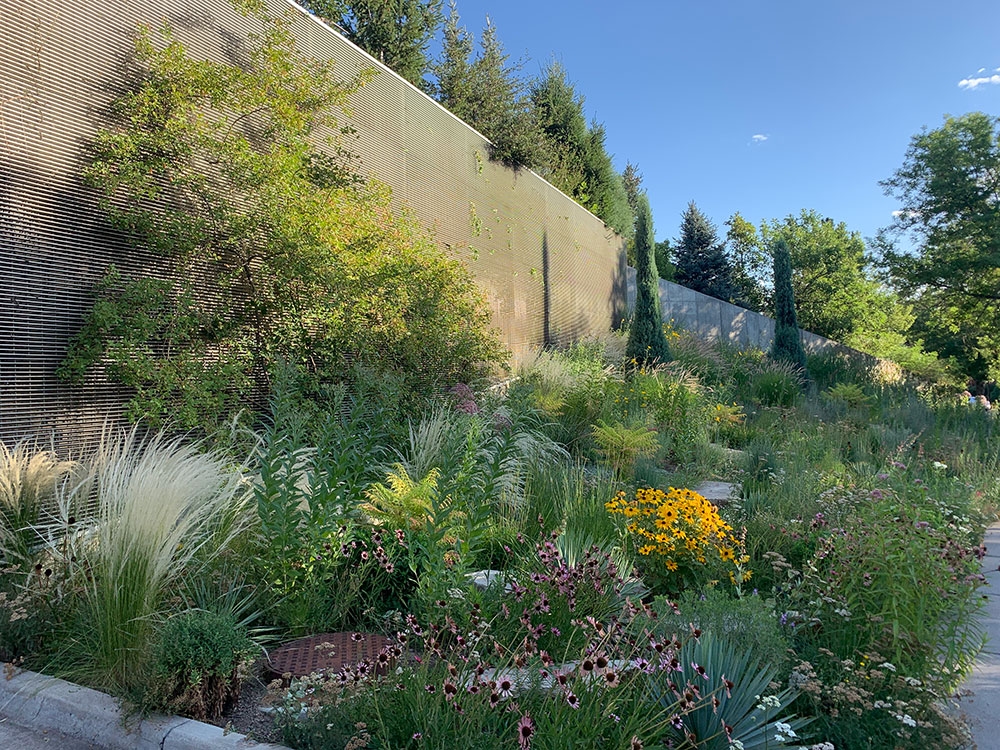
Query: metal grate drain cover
(326,652)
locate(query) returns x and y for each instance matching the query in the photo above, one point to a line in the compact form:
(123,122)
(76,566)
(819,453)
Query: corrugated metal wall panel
(549,268)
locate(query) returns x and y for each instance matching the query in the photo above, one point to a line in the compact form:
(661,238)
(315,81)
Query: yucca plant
(622,445)
(163,507)
(740,684)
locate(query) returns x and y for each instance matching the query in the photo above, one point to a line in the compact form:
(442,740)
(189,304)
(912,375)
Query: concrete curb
(34,701)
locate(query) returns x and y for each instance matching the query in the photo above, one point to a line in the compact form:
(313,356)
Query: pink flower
(525,728)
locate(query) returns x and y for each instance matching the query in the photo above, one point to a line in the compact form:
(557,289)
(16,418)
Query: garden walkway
(982,705)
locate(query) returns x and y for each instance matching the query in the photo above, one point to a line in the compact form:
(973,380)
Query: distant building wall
(551,271)
(713,320)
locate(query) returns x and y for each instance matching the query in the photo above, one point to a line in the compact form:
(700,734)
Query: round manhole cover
(326,652)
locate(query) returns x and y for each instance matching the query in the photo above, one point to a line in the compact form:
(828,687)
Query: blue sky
(764,108)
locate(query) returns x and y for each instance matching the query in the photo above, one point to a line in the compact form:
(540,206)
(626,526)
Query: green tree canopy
(454,69)
(828,272)
(574,156)
(700,257)
(278,251)
(396,32)
(750,264)
(787,344)
(608,198)
(488,93)
(949,194)
(559,113)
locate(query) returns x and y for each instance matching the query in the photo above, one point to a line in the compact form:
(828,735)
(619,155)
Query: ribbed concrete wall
(551,270)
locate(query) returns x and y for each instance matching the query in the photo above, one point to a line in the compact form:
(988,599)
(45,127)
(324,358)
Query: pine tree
(487,94)
(454,71)
(608,198)
(558,110)
(396,32)
(787,346)
(700,257)
(647,344)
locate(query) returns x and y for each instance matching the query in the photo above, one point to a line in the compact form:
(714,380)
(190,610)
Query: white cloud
(971,83)
(908,214)
(758,138)
(981,70)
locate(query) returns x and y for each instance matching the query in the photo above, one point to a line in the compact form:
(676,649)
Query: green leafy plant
(849,394)
(749,624)
(310,533)
(238,177)
(622,445)
(199,664)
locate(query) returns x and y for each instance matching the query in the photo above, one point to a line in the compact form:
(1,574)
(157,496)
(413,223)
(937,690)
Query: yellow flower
(671,565)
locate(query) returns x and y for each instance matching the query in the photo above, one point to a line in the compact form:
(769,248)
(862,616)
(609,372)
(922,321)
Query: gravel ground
(247,717)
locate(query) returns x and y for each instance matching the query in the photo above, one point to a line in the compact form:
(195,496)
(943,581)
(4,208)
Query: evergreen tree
(573,157)
(787,346)
(608,198)
(647,344)
(454,71)
(700,257)
(396,32)
(487,94)
(559,114)
(632,180)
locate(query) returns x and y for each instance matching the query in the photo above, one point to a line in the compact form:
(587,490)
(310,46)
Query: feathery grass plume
(163,507)
(28,480)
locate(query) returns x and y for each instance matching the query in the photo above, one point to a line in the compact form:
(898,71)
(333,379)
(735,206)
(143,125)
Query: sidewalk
(982,707)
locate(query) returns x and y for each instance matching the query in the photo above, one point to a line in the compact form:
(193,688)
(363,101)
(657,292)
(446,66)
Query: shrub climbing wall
(551,271)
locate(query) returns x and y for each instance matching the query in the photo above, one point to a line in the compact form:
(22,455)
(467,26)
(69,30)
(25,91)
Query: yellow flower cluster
(679,526)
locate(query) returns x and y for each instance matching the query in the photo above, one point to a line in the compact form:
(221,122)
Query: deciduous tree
(749,262)
(949,194)
(828,272)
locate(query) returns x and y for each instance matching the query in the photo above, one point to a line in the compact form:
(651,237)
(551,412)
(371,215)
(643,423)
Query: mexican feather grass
(159,509)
